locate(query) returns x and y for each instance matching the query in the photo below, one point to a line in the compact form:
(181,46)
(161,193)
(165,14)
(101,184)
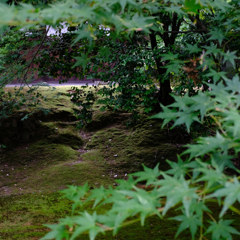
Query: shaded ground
(48,153)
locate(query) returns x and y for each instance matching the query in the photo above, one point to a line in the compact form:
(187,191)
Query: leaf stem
(219,124)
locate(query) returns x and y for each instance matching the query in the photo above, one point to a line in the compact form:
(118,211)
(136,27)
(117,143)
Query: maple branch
(34,56)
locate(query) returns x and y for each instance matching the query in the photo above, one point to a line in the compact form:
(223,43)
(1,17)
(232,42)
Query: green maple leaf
(75,194)
(223,5)
(191,222)
(123,4)
(149,175)
(232,121)
(178,168)
(216,75)
(98,194)
(83,34)
(169,56)
(175,9)
(217,34)
(86,222)
(211,176)
(176,190)
(213,49)
(82,61)
(167,115)
(182,111)
(192,6)
(233,84)
(126,184)
(230,192)
(173,66)
(207,145)
(193,48)
(58,232)
(186,118)
(231,57)
(222,230)
(220,161)
(141,202)
(135,23)
(221,96)
(205,106)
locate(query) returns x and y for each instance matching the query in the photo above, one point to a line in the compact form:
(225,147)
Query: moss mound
(44,167)
(104,119)
(25,125)
(125,150)
(19,129)
(22,216)
(64,133)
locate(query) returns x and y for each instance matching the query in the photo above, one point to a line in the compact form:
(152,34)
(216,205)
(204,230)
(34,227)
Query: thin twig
(33,58)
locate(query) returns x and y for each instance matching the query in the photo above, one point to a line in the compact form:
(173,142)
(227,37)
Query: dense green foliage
(200,177)
(194,44)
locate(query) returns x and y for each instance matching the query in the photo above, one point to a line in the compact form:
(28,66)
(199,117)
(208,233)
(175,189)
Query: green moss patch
(22,216)
(24,125)
(66,173)
(18,167)
(103,119)
(63,133)
(45,167)
(125,150)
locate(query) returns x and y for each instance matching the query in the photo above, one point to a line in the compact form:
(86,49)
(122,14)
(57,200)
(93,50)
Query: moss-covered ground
(46,153)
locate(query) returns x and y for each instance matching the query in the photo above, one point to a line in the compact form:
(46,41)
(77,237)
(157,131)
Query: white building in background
(58,31)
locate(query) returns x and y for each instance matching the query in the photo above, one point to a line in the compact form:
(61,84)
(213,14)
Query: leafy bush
(11,101)
(84,98)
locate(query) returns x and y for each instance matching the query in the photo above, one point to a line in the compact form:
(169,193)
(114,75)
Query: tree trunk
(164,96)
